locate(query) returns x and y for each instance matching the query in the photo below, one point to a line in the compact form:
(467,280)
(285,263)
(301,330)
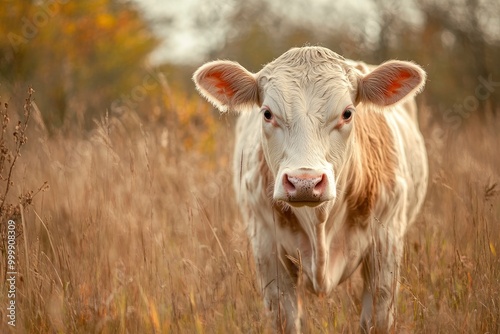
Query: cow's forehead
(306,67)
(307,55)
(307,73)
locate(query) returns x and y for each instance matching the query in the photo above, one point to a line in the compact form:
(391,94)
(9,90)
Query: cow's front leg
(278,283)
(380,276)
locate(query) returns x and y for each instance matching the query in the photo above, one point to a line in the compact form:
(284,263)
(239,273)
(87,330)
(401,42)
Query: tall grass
(139,233)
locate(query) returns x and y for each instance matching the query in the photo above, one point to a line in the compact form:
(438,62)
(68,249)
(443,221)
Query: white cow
(330,170)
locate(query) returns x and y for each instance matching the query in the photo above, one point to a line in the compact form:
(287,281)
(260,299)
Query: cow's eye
(347,114)
(268,115)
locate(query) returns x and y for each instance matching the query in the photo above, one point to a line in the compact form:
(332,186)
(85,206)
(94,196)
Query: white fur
(307,90)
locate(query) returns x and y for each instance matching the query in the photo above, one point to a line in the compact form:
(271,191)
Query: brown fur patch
(286,218)
(372,165)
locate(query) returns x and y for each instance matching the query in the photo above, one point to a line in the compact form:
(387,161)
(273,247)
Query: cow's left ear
(227,84)
(391,82)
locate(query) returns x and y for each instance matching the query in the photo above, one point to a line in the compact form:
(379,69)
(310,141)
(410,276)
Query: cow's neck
(320,227)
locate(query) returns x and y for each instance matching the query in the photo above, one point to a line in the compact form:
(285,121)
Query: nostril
(321,185)
(287,183)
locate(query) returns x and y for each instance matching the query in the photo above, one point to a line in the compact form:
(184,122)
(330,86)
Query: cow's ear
(391,82)
(227,85)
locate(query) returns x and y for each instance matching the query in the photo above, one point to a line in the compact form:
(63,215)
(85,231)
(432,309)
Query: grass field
(139,233)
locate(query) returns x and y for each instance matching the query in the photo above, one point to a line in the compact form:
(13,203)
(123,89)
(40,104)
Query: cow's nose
(304,187)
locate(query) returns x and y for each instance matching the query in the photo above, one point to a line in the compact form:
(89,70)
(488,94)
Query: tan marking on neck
(286,218)
(372,164)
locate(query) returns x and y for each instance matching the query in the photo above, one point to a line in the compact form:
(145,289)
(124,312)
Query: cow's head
(307,99)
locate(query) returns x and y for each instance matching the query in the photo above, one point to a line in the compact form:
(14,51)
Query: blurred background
(82,56)
(118,175)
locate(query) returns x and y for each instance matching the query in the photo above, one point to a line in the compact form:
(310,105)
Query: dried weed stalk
(10,151)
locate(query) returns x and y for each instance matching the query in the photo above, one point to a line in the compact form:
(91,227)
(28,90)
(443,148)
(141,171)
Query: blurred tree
(465,36)
(79,56)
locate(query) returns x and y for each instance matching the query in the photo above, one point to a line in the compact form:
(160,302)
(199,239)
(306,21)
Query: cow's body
(368,172)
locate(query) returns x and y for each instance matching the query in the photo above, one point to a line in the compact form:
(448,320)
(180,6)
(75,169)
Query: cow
(330,170)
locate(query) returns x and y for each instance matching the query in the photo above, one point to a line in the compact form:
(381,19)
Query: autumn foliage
(78,55)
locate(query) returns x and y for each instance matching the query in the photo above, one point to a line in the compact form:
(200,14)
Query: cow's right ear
(227,85)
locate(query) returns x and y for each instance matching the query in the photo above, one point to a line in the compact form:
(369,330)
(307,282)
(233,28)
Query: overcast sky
(182,45)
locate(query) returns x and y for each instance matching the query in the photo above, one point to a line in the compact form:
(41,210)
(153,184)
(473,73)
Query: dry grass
(138,234)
